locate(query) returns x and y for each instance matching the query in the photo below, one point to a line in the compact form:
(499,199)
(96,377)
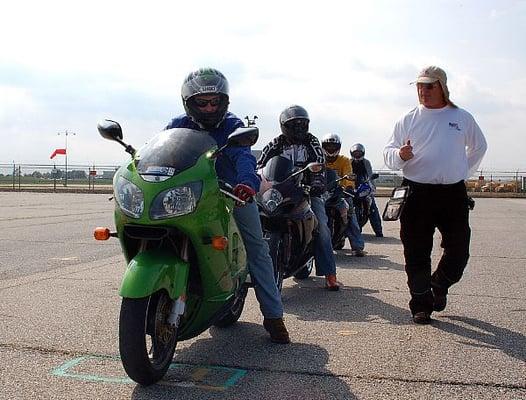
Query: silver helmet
(357,151)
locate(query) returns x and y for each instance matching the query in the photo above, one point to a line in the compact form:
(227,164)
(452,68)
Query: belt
(433,186)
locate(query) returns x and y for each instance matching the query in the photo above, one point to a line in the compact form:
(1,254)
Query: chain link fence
(38,176)
(485,181)
(96,177)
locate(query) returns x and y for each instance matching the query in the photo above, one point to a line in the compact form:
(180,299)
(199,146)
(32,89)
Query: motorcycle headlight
(129,198)
(176,201)
(271,199)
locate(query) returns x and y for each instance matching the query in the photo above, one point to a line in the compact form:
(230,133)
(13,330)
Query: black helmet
(205,81)
(357,151)
(331,144)
(294,123)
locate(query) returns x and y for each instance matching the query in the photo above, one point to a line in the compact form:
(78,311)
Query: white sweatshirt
(448,145)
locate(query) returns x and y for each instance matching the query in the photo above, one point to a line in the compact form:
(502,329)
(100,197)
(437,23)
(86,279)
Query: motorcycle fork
(178,306)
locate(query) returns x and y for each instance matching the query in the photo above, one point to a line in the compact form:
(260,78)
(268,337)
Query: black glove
(317,185)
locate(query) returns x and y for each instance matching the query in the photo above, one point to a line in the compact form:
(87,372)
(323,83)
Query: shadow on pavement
(488,335)
(294,371)
(350,304)
(345,260)
(371,238)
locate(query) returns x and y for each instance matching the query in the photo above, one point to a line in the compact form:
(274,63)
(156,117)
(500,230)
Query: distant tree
(77,174)
(36,174)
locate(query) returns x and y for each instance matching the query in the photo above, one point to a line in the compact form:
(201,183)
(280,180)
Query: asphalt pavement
(59,307)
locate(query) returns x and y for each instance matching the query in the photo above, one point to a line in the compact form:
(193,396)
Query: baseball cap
(431,74)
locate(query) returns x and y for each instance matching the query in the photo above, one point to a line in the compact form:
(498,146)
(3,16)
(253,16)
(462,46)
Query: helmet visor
(357,154)
(331,148)
(298,125)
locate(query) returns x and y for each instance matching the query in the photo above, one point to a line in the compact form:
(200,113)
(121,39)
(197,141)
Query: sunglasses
(299,123)
(204,102)
(428,86)
(331,148)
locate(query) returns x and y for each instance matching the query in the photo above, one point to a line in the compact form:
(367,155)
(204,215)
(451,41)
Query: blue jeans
(374,218)
(325,264)
(353,231)
(259,260)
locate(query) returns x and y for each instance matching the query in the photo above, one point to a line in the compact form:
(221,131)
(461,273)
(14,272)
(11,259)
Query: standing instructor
(437,145)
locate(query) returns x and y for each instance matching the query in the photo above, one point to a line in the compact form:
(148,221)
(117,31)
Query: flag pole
(66,159)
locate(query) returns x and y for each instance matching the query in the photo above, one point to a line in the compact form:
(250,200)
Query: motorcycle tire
(146,340)
(276,242)
(340,244)
(235,310)
(304,273)
(361,215)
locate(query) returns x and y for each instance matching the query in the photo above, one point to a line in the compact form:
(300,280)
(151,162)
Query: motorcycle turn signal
(217,242)
(102,233)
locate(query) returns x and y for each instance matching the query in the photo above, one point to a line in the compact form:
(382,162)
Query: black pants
(444,207)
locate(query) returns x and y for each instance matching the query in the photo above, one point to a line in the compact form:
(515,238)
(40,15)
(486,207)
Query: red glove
(244,192)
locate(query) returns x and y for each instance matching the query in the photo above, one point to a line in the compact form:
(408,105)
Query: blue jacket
(235,164)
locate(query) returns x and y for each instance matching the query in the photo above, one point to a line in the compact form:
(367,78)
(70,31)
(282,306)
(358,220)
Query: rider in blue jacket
(205,99)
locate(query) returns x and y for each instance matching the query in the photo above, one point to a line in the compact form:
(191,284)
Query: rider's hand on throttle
(244,192)
(406,151)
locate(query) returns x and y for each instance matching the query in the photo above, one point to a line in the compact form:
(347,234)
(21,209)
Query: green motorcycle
(186,259)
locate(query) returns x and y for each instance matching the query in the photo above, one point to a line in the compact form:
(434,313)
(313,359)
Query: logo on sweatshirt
(454,125)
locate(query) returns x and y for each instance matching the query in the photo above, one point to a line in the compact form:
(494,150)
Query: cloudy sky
(64,65)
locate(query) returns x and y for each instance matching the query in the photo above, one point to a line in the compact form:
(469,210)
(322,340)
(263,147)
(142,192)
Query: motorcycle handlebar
(227,189)
(232,196)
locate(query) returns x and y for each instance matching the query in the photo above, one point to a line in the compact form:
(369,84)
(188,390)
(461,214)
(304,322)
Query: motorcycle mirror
(350,177)
(243,137)
(110,130)
(315,167)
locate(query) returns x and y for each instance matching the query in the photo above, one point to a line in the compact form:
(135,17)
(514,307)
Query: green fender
(152,270)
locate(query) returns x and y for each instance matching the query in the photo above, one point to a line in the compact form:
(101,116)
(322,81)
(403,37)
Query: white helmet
(331,144)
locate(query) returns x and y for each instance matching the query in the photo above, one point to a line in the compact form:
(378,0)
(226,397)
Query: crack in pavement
(255,368)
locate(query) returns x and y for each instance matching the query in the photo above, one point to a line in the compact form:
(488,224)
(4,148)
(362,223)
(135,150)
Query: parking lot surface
(59,308)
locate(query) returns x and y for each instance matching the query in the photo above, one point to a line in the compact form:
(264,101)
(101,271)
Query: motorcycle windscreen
(173,151)
(278,169)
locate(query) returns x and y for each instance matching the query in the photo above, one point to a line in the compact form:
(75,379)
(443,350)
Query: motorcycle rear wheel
(146,340)
(235,311)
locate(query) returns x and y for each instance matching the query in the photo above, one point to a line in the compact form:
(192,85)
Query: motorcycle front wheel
(361,215)
(304,273)
(340,244)
(276,243)
(146,340)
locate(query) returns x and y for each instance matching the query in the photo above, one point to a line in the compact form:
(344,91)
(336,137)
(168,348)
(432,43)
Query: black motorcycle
(288,222)
(334,196)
